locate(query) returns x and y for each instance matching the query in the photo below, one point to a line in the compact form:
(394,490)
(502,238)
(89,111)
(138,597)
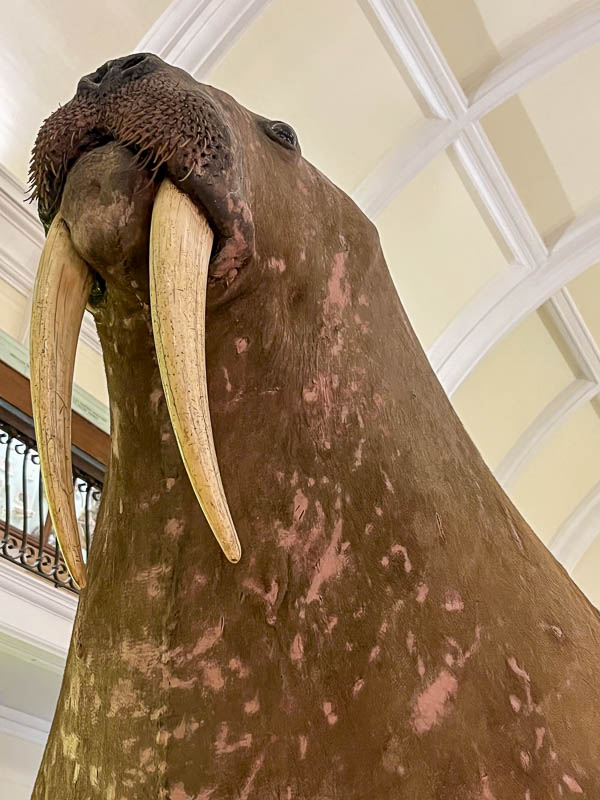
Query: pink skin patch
(422,592)
(236,666)
(433,704)
(363,300)
(297,648)
(410,642)
(388,483)
(269,598)
(223,747)
(252,706)
(329,713)
(358,686)
(512,663)
(572,784)
(228,386)
(525,759)
(515,703)
(453,601)
(399,549)
(302,746)
(247,787)
(241,345)
(330,565)
(338,288)
(207,641)
(374,654)
(300,506)
(174,528)
(486,792)
(276,264)
(539,738)
(156,395)
(213,677)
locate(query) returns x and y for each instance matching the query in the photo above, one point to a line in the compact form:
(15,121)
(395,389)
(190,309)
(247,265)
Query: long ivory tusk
(61,291)
(180,246)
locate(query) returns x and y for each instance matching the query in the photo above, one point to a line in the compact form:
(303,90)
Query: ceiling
(467,130)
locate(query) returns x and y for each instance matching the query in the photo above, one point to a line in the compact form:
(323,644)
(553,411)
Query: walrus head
(148,183)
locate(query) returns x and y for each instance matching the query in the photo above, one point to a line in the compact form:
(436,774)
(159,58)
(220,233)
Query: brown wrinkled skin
(394,628)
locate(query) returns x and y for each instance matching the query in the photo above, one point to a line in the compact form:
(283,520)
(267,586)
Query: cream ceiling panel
(14,310)
(563,471)
(587,573)
(320,67)
(475,34)
(89,372)
(45,48)
(547,139)
(438,248)
(510,387)
(585,290)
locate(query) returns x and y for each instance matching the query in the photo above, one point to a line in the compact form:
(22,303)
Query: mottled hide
(394,629)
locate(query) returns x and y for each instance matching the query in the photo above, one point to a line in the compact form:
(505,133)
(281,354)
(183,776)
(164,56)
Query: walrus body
(394,628)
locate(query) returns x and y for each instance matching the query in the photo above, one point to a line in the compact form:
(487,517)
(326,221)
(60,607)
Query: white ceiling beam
(558,410)
(532,56)
(575,332)
(536,53)
(408,35)
(507,300)
(481,163)
(578,532)
(23,726)
(196,34)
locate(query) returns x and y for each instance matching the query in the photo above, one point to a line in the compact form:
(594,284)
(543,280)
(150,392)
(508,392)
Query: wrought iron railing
(26,534)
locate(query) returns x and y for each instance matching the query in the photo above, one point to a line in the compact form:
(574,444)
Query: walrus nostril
(132,61)
(117,71)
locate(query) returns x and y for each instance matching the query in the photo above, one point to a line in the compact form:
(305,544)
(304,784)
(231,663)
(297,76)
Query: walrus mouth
(180,265)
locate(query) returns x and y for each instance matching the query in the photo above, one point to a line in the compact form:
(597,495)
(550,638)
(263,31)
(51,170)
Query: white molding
(23,726)
(15,208)
(504,302)
(482,165)
(409,36)
(578,532)
(36,618)
(576,333)
(537,53)
(402,27)
(558,410)
(196,34)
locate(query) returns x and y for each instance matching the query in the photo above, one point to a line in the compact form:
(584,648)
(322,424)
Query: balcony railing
(26,534)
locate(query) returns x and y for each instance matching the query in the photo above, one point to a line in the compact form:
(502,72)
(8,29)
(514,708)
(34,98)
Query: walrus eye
(284,134)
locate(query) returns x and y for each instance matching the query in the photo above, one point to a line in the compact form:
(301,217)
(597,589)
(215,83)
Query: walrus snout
(174,126)
(114,73)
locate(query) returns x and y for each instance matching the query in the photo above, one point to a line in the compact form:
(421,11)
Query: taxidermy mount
(305,583)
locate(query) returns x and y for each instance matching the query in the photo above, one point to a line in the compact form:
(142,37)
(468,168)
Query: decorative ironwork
(26,534)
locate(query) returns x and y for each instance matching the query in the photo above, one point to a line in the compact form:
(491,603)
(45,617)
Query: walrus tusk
(180,247)
(61,291)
